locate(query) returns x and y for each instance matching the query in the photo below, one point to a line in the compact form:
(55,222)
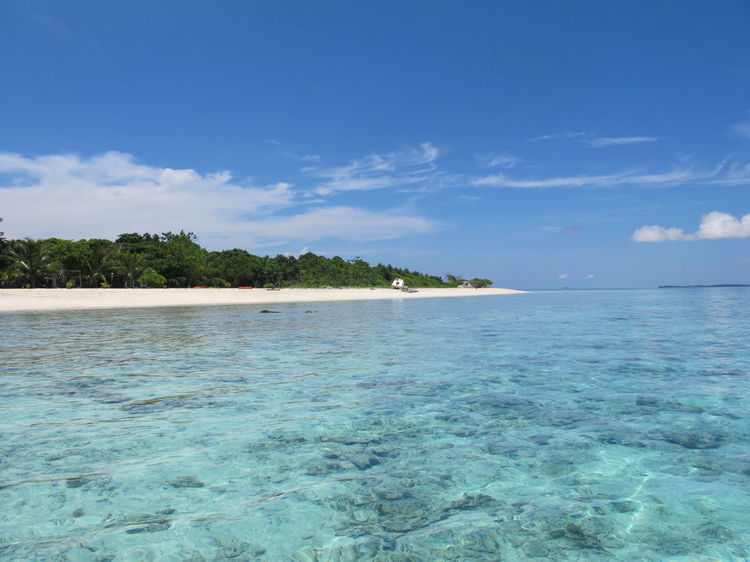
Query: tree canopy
(177,260)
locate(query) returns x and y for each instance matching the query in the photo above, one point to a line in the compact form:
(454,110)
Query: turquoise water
(569,426)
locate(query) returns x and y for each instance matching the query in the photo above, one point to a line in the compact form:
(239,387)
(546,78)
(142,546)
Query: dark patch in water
(691,439)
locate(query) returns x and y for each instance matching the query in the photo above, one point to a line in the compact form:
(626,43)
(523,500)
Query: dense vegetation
(176,260)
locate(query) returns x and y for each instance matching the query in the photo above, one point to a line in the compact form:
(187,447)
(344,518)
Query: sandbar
(33,300)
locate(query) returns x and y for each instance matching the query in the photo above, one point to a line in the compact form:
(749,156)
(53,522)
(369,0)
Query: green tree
(479,283)
(102,263)
(238,267)
(452,280)
(32,261)
(182,262)
(185,262)
(5,260)
(152,279)
(131,266)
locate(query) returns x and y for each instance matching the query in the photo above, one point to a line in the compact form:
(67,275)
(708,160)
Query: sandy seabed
(29,300)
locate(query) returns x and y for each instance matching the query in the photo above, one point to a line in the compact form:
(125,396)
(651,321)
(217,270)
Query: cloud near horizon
(714,226)
(69,196)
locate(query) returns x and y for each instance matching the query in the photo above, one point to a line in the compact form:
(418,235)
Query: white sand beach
(28,300)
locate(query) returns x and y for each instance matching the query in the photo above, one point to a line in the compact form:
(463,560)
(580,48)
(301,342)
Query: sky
(542,144)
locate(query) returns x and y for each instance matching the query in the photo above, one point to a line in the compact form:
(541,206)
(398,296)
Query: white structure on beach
(398,284)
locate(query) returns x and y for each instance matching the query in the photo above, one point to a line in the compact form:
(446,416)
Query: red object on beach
(201,287)
(244,287)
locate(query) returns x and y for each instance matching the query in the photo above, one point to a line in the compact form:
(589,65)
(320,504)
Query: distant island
(699,286)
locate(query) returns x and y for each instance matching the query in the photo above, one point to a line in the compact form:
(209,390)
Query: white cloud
(311,158)
(589,276)
(496,160)
(717,225)
(591,140)
(656,233)
(725,173)
(69,196)
(614,141)
(564,136)
(618,178)
(736,174)
(562,276)
(342,222)
(381,171)
(714,225)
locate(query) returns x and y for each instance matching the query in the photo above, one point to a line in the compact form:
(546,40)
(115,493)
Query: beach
(32,300)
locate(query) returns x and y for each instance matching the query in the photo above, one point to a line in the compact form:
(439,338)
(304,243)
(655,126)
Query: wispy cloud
(620,178)
(733,174)
(71,196)
(725,173)
(713,226)
(614,141)
(562,276)
(591,140)
(497,160)
(562,136)
(380,171)
(309,158)
(743,128)
(589,276)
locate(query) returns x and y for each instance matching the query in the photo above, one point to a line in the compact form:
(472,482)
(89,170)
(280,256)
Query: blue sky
(585,144)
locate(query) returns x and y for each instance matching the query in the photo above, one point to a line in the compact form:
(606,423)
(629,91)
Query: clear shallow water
(578,426)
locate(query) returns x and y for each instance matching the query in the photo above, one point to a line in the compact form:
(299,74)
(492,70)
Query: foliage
(176,260)
(480,283)
(218,283)
(31,261)
(131,266)
(152,279)
(477,282)
(101,264)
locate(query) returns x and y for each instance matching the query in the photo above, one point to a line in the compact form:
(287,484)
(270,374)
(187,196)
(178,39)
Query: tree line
(176,260)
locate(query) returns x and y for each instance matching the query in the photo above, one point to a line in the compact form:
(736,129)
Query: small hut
(398,284)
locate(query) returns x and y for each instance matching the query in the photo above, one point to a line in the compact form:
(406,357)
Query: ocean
(596,425)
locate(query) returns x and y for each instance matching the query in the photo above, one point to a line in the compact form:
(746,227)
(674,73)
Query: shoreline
(47,300)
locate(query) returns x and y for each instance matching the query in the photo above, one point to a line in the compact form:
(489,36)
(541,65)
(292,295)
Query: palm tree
(132,266)
(32,261)
(103,261)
